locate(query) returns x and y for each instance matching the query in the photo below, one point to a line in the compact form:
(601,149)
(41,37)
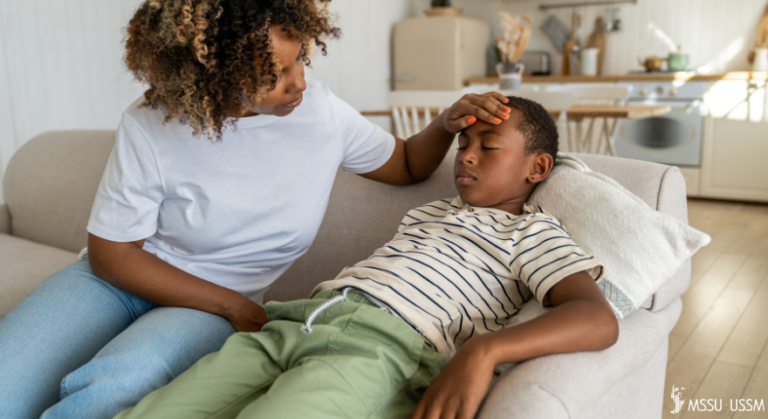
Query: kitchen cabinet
(735,160)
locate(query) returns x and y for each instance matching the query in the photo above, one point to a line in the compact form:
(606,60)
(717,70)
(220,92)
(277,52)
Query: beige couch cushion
(51,183)
(24,264)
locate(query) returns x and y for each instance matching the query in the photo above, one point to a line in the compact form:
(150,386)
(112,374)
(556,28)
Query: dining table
(576,117)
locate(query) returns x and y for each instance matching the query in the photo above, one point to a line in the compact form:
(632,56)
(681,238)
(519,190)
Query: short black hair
(537,126)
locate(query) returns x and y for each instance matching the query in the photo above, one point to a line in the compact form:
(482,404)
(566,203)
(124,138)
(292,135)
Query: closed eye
(484,148)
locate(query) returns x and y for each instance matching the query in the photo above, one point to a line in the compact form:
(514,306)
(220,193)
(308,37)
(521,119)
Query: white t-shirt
(236,212)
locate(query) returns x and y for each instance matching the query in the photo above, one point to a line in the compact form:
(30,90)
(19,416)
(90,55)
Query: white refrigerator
(439,53)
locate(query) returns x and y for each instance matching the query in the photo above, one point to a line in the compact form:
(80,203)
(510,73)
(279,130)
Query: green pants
(359,362)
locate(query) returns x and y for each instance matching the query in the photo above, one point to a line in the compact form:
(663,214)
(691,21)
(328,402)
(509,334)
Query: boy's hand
(466,111)
(458,391)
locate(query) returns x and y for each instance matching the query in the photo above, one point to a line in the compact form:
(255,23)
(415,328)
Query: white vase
(510,75)
(761,60)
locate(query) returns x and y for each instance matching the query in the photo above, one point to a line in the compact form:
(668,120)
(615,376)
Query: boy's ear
(540,167)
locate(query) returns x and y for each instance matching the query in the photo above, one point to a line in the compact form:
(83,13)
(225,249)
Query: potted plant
(509,49)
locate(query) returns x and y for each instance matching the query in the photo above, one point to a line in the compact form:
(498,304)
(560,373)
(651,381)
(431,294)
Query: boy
(416,328)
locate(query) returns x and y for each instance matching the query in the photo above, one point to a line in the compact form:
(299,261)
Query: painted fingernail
(497,120)
(505,115)
(506,109)
(506,100)
(472,120)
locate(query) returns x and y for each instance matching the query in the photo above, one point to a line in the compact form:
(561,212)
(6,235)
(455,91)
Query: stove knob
(644,92)
(659,90)
(673,92)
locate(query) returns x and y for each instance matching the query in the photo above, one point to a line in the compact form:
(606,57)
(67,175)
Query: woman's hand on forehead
(488,107)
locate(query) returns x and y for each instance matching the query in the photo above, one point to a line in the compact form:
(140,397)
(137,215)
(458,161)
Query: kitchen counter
(576,111)
(686,76)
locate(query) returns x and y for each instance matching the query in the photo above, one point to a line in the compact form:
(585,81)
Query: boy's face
(492,168)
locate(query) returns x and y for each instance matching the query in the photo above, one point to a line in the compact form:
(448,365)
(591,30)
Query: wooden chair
(593,94)
(413,110)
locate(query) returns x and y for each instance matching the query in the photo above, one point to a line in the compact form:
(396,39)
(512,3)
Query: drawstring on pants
(307,327)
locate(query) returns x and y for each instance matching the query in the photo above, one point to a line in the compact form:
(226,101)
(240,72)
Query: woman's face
(288,92)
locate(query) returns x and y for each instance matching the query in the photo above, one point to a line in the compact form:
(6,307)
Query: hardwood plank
(700,297)
(763,361)
(685,371)
(713,330)
(691,363)
(754,235)
(722,225)
(750,334)
(751,274)
(695,306)
(704,259)
(723,382)
(718,277)
(695,277)
(757,388)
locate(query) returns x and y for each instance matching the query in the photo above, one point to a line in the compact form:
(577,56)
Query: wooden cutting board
(761,38)
(597,40)
(569,44)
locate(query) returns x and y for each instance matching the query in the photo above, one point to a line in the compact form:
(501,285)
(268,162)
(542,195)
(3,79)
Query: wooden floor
(718,348)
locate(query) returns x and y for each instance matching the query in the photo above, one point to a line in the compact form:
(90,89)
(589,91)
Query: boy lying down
(416,329)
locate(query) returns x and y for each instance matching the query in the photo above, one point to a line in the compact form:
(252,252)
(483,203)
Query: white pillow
(640,248)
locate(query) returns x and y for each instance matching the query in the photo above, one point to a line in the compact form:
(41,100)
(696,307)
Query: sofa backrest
(50,185)
(363,215)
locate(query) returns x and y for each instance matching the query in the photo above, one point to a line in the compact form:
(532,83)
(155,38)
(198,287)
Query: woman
(187,234)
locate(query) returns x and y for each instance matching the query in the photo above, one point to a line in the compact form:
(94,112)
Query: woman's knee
(56,329)
(148,355)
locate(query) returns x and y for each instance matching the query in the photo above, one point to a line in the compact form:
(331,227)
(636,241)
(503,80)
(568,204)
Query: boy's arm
(416,159)
(581,320)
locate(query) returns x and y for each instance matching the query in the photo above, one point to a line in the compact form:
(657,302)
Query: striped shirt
(454,271)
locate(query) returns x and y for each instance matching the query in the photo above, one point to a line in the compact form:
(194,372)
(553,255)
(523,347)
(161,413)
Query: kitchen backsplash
(718,34)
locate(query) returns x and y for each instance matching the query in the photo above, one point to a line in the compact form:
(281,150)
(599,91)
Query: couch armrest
(566,385)
(5,219)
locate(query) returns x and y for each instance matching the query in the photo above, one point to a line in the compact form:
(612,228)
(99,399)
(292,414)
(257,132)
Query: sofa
(51,182)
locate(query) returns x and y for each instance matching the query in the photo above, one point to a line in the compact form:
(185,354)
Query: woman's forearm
(418,157)
(425,151)
(128,267)
(580,325)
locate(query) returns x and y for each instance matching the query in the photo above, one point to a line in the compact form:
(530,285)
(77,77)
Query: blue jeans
(78,347)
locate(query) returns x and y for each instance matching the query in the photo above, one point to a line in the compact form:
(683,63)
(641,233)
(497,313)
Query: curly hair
(200,57)
(537,126)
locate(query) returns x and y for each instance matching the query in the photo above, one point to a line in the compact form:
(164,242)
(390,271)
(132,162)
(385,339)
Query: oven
(673,138)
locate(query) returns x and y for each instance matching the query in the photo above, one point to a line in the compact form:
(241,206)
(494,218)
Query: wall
(358,65)
(61,68)
(718,34)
